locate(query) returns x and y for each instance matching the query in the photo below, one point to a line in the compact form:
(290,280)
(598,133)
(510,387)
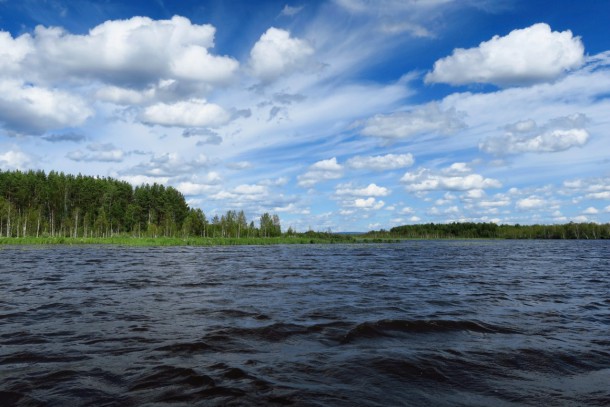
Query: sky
(337,115)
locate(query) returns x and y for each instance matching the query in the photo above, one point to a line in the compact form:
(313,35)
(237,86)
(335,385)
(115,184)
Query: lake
(444,323)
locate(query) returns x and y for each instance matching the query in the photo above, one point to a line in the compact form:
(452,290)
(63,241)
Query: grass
(187,241)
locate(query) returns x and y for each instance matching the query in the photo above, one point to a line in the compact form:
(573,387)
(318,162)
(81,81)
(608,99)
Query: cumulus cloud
(98,152)
(531,202)
(381,162)
(591,188)
(168,165)
(457,168)
(124,96)
(189,113)
(291,208)
(134,52)
(367,204)
(13,51)
(127,62)
(327,165)
(424,180)
(427,119)
(526,136)
(277,53)
(192,188)
(599,195)
(207,136)
(247,194)
(321,171)
(15,160)
(591,211)
(33,110)
(370,190)
(524,56)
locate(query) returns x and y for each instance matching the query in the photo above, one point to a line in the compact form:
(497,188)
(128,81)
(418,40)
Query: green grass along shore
(187,241)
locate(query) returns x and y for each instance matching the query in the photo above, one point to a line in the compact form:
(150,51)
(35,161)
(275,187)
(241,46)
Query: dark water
(488,323)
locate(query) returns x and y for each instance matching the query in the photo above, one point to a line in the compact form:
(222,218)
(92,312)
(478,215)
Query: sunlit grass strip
(187,241)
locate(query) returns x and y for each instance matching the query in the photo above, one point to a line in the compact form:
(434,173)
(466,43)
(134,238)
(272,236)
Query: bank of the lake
(189,241)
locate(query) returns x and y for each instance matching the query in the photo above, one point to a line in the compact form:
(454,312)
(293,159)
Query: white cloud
(523,56)
(425,180)
(15,160)
(13,51)
(98,152)
(415,30)
(607,209)
(406,210)
(258,198)
(381,162)
(291,10)
(327,165)
(191,113)
(457,168)
(46,76)
(291,208)
(368,203)
(427,119)
(143,179)
(246,189)
(190,188)
(559,134)
(276,53)
(33,110)
(321,171)
(499,202)
(593,188)
(239,165)
(591,211)
(531,202)
(452,210)
(370,190)
(134,52)
(277,182)
(549,142)
(474,194)
(124,96)
(599,195)
(168,166)
(194,63)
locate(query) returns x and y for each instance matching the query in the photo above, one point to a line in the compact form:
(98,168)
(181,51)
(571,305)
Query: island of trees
(34,204)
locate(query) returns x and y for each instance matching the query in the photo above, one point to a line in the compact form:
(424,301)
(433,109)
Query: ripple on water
(480,323)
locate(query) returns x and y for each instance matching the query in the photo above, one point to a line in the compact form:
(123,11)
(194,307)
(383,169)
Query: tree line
(34,203)
(470,230)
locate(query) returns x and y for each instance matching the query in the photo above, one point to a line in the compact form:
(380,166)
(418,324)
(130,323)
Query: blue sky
(346,115)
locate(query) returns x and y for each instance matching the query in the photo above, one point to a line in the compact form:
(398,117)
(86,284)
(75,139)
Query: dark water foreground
(488,323)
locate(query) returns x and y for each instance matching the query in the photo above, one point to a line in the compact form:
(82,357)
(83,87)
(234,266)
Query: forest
(468,230)
(34,204)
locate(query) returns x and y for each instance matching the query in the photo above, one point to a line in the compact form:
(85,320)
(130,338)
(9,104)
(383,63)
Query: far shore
(189,241)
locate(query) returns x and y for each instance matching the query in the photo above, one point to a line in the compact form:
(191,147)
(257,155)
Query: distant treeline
(34,204)
(468,230)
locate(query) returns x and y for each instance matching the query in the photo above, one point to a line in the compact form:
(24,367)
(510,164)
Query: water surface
(503,323)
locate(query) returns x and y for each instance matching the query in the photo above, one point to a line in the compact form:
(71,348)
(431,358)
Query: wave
(388,327)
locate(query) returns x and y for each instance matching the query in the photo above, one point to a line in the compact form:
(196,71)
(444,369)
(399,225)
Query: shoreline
(232,241)
(187,241)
